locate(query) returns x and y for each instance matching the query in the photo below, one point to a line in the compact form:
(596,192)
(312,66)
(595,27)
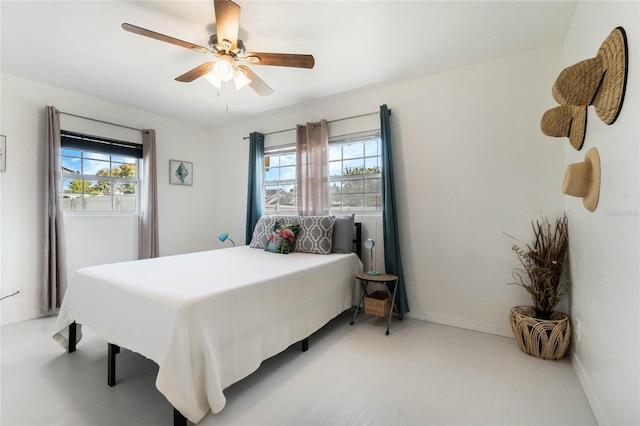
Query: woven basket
(377,303)
(546,339)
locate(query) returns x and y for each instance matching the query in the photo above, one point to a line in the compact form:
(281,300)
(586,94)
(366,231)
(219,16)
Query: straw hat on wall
(583,180)
(566,121)
(599,81)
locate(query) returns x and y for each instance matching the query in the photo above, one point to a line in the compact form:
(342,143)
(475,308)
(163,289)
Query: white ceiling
(79,45)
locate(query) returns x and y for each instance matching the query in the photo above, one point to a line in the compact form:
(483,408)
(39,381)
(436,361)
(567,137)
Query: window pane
(335,152)
(354,167)
(287,197)
(96,155)
(270,197)
(98,202)
(288,160)
(353,150)
(288,173)
(122,159)
(124,188)
(372,164)
(335,168)
(99,187)
(71,165)
(335,188)
(73,186)
(352,186)
(373,185)
(125,203)
(93,167)
(336,202)
(372,201)
(272,175)
(272,161)
(71,152)
(352,201)
(123,170)
(372,148)
(72,202)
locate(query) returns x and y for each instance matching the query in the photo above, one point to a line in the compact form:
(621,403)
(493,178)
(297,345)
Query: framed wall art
(180,172)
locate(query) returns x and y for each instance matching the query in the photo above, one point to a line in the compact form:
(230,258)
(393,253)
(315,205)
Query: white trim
(592,396)
(462,323)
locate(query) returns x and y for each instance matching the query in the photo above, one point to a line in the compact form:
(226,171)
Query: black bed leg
(72,337)
(111,364)
(305,345)
(178,418)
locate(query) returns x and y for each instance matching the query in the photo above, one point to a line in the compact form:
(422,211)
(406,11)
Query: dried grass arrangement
(542,265)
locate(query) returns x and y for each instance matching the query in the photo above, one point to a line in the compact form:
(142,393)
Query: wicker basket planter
(541,338)
(377,303)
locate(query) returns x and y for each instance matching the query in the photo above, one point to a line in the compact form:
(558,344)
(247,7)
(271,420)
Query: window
(280,186)
(100,175)
(355,170)
(355,174)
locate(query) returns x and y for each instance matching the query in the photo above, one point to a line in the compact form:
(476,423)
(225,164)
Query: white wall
(186,213)
(470,162)
(605,245)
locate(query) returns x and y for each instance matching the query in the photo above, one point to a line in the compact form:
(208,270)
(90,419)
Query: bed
(208,319)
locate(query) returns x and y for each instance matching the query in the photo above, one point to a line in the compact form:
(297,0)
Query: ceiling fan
(228,51)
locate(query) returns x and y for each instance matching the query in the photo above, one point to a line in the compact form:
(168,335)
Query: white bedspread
(209,319)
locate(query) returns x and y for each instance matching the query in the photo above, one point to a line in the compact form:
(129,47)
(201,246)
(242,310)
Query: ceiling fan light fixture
(223,70)
(240,79)
(211,78)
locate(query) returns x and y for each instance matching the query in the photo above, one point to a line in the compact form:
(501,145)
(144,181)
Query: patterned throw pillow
(261,232)
(282,238)
(315,235)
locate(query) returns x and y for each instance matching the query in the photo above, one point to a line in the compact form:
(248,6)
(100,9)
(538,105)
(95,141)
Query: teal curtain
(254,186)
(392,258)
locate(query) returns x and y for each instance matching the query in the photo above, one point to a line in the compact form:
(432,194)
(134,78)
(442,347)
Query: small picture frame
(3,153)
(180,172)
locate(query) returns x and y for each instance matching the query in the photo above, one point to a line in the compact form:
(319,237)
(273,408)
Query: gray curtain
(392,257)
(312,168)
(254,184)
(148,244)
(54,283)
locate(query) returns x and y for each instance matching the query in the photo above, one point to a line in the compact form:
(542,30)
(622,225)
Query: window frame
(333,141)
(280,150)
(91,148)
(359,137)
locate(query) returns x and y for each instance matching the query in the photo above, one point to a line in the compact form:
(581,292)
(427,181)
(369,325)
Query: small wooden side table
(385,279)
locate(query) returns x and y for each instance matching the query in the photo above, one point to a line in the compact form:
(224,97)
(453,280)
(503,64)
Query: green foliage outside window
(79,186)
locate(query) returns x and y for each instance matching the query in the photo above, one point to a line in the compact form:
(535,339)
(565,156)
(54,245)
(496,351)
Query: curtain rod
(330,121)
(100,121)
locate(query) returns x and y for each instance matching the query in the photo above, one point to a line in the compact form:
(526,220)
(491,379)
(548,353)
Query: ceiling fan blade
(281,59)
(256,83)
(162,37)
(227,22)
(197,72)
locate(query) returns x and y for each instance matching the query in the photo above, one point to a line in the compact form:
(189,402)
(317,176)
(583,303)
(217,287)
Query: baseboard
(462,323)
(25,316)
(592,398)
